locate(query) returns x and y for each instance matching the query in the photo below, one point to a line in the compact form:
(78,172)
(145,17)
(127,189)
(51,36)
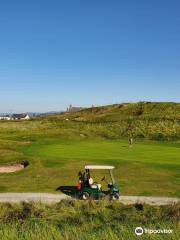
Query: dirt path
(35,197)
(148,200)
(53,198)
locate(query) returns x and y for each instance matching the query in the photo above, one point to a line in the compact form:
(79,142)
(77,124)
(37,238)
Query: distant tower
(69,108)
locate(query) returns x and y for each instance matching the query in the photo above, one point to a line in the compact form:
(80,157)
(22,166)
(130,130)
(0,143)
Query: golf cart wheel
(85,196)
(115,196)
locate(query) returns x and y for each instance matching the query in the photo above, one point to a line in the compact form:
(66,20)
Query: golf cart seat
(94,185)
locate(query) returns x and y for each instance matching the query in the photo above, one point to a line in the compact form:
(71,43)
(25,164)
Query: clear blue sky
(54,53)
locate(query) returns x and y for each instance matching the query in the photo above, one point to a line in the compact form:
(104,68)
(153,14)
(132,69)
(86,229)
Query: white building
(20,117)
(15,117)
(5,118)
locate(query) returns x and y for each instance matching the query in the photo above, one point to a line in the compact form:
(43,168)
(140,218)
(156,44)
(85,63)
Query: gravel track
(54,198)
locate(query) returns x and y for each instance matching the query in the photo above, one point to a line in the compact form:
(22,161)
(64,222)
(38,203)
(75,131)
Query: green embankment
(156,121)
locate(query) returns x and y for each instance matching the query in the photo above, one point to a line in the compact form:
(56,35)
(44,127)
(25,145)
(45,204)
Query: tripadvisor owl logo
(139,231)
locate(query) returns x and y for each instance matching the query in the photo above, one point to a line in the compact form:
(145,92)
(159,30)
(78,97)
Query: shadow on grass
(68,190)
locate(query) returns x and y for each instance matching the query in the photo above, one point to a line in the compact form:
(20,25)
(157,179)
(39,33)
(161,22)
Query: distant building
(74,109)
(6,117)
(15,117)
(20,117)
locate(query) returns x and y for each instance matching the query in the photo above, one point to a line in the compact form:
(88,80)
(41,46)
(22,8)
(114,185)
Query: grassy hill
(140,110)
(154,121)
(157,121)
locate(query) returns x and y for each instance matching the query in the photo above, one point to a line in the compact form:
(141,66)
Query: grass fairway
(147,168)
(59,145)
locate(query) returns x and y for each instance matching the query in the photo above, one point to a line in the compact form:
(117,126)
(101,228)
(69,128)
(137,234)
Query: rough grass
(85,220)
(156,121)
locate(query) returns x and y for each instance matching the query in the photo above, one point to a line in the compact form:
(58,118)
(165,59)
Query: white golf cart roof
(100,167)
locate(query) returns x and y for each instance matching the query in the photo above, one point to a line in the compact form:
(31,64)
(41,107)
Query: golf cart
(87,188)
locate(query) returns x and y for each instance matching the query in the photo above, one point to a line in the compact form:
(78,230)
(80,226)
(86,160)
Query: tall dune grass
(71,220)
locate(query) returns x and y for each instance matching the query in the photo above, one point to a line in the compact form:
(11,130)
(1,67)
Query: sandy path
(149,200)
(9,169)
(53,198)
